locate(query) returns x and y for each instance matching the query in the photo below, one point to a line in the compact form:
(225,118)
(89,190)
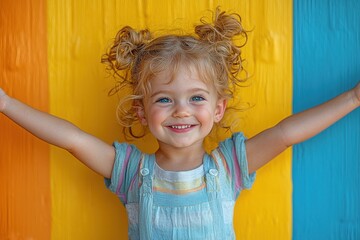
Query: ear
(140,113)
(220,109)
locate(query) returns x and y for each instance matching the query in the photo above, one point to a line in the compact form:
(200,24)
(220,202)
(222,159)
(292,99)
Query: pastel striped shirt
(180,200)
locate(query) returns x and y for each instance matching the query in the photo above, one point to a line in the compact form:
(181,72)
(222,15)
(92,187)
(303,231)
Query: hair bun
(224,27)
(125,48)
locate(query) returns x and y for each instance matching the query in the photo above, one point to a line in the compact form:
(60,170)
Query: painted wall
(24,160)
(50,58)
(326,198)
(78,92)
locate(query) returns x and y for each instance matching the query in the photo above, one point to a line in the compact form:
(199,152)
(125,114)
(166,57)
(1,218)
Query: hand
(2,99)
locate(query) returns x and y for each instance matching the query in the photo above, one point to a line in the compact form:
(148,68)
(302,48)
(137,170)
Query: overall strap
(146,196)
(214,195)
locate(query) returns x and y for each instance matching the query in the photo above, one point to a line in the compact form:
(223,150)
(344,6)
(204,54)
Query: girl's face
(181,112)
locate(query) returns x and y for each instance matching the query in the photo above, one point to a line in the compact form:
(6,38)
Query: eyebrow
(169,92)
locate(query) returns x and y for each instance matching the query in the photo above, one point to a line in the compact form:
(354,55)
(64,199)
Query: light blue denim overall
(146,198)
(158,215)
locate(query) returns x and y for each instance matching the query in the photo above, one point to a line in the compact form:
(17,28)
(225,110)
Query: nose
(181,110)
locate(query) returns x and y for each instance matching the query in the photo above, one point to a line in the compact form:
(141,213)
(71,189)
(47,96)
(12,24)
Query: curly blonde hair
(135,57)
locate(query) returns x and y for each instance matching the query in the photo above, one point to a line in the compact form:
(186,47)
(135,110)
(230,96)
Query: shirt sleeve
(234,152)
(126,164)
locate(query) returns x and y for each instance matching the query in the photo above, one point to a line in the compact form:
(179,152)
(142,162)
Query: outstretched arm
(268,144)
(96,154)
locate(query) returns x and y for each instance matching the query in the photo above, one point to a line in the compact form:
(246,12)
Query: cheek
(156,115)
(205,115)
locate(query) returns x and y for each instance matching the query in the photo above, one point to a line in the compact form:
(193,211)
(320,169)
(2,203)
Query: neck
(179,159)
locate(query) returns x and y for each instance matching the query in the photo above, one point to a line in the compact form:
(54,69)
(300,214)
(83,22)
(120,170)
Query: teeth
(181,126)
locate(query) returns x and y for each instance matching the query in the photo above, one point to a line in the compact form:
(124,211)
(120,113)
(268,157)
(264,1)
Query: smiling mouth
(180,127)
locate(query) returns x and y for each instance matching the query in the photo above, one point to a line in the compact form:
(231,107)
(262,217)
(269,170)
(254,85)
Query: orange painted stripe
(24,160)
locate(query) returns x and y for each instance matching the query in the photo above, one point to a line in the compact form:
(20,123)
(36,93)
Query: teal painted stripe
(326,168)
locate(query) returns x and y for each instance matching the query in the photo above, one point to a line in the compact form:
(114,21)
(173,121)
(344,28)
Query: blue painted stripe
(326,168)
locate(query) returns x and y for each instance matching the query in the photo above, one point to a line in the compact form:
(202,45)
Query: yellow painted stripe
(78,33)
(82,208)
(265,212)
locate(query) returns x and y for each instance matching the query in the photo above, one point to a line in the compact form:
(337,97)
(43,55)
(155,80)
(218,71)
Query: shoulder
(237,140)
(231,151)
(126,165)
(231,155)
(127,155)
(125,148)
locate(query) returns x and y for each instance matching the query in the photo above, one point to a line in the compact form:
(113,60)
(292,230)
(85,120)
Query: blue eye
(197,99)
(163,100)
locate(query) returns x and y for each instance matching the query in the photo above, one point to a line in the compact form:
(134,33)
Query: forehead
(183,77)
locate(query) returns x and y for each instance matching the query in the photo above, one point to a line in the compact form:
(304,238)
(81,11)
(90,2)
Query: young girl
(180,88)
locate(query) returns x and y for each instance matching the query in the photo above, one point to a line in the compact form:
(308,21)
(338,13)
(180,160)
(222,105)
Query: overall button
(213,172)
(144,171)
